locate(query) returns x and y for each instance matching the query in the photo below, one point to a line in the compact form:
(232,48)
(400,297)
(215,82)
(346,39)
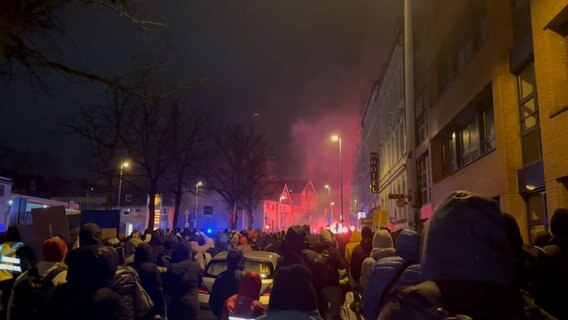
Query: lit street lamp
(197,185)
(280,212)
(336,138)
(328,187)
(123,166)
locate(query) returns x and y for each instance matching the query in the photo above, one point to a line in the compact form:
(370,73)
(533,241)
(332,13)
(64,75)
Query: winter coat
(292,314)
(354,241)
(383,271)
(382,248)
(362,251)
(329,275)
(246,303)
(150,278)
(87,295)
(227,282)
(181,281)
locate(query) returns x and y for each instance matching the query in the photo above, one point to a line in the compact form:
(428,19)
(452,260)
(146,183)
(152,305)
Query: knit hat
(293,289)
(466,239)
(250,285)
(90,234)
(382,239)
(54,249)
(559,222)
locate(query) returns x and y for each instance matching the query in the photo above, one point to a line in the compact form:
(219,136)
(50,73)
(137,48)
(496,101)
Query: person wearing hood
(328,290)
(293,296)
(405,265)
(51,269)
(87,293)
(467,264)
(227,282)
(245,304)
(180,284)
(354,241)
(382,248)
(150,278)
(90,234)
(360,252)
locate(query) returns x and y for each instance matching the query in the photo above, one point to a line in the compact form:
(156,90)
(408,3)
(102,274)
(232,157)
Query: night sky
(306,66)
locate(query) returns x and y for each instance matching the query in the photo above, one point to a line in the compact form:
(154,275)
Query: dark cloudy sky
(307,66)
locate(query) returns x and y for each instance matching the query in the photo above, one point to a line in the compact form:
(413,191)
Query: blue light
(209,231)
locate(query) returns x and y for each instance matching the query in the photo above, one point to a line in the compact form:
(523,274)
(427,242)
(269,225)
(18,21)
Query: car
(263,262)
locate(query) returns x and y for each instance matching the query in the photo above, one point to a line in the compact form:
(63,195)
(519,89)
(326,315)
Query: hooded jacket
(354,241)
(227,282)
(150,277)
(360,252)
(382,248)
(245,304)
(87,295)
(385,269)
(181,281)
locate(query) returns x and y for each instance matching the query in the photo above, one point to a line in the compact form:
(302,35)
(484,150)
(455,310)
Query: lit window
(128,197)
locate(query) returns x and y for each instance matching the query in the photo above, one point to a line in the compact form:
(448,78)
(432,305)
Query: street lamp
(197,185)
(123,166)
(336,138)
(328,187)
(280,212)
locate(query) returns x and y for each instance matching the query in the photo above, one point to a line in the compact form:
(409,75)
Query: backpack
(31,296)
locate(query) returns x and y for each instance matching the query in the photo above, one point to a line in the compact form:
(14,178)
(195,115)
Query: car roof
(252,255)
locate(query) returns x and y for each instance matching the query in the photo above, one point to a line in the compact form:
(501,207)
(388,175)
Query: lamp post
(197,185)
(123,165)
(335,138)
(280,212)
(328,187)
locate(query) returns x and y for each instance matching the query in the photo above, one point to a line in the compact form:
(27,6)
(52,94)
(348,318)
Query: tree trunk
(177,205)
(250,215)
(152,205)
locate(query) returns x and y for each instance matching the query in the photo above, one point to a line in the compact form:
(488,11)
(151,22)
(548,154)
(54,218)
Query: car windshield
(264,268)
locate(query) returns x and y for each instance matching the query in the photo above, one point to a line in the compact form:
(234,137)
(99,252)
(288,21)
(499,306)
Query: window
(2,190)
(536,213)
(137,210)
(488,130)
(126,212)
(449,154)
(423,179)
(164,211)
(469,142)
(528,116)
(127,197)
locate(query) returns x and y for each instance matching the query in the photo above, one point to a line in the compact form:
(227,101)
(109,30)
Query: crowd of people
(470,262)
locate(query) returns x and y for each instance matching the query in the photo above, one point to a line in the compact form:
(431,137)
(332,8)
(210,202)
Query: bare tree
(102,125)
(188,150)
(24,20)
(242,172)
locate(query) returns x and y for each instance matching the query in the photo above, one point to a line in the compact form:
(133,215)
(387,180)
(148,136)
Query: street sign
(207,210)
(400,203)
(396,196)
(374,172)
(367,221)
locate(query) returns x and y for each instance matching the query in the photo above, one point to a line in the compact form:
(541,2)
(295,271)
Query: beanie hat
(293,289)
(382,239)
(466,239)
(366,233)
(54,249)
(250,285)
(559,222)
(90,234)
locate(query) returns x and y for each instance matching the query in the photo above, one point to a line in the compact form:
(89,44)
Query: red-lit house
(296,203)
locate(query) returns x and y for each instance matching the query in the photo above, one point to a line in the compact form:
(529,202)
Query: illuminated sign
(374,168)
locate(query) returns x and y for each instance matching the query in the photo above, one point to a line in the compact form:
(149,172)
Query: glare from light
(209,231)
(199,184)
(10,202)
(326,186)
(335,138)
(125,164)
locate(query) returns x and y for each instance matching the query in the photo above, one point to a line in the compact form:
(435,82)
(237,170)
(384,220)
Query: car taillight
(267,291)
(203,289)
